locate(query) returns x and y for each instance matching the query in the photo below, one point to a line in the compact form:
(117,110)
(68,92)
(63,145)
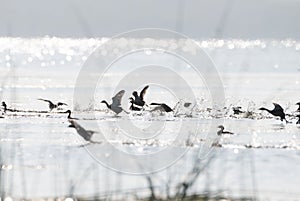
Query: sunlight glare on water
(44,157)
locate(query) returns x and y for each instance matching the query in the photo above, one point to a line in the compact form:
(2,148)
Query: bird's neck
(265,109)
(107,105)
(69,116)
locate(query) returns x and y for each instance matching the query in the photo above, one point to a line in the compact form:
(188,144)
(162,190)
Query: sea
(150,153)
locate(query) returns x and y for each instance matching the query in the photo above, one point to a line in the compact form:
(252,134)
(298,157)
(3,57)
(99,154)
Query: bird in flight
(116,103)
(277,112)
(139,99)
(52,105)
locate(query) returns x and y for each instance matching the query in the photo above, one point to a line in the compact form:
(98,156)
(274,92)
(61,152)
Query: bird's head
(103,101)
(135,93)
(298,103)
(3,103)
(221,127)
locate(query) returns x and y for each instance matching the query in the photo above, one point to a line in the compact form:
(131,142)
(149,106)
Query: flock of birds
(138,104)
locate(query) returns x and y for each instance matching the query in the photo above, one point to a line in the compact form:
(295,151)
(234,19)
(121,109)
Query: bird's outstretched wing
(277,107)
(45,100)
(85,134)
(116,100)
(143,92)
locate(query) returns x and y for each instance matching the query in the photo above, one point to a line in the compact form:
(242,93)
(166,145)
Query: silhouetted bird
(298,107)
(85,134)
(4,106)
(116,103)
(187,104)
(139,99)
(162,107)
(132,107)
(52,105)
(237,110)
(222,132)
(69,115)
(298,122)
(277,111)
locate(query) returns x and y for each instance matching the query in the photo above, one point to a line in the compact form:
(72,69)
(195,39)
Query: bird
(85,134)
(298,110)
(162,107)
(4,106)
(277,111)
(222,132)
(69,115)
(116,103)
(237,110)
(187,104)
(132,107)
(52,105)
(139,99)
